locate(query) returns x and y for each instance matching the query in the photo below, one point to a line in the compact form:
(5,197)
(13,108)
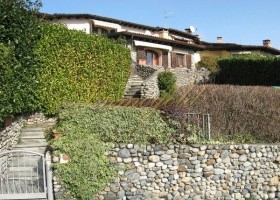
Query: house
(154,49)
(220,49)
(153,46)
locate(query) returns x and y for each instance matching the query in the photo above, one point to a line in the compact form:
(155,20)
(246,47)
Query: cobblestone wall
(201,172)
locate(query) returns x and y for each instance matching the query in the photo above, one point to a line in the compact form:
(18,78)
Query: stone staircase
(32,139)
(22,172)
(134,87)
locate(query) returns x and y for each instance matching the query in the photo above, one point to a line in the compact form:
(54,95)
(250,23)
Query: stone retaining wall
(9,135)
(202,172)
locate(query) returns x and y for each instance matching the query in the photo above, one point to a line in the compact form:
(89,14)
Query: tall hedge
(76,67)
(6,78)
(249,70)
(19,33)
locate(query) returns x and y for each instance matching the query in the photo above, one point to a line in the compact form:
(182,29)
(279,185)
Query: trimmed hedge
(6,78)
(76,67)
(249,70)
(234,110)
(19,34)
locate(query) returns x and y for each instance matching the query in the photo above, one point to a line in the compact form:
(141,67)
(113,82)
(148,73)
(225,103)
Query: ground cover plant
(88,131)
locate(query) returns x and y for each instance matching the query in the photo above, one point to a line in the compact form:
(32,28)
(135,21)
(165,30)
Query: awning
(153,45)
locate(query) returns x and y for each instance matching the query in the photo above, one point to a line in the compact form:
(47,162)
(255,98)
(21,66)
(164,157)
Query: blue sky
(237,21)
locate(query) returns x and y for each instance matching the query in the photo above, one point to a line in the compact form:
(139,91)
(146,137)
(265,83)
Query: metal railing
(199,124)
(22,175)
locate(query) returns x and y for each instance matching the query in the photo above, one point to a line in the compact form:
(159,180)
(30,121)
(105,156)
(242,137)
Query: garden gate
(23,175)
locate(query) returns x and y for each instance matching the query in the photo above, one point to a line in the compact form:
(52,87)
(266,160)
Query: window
(180,60)
(151,58)
(99,30)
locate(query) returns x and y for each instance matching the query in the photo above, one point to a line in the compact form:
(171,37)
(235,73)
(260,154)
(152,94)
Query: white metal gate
(22,175)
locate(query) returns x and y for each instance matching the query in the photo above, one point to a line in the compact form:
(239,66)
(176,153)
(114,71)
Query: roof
(121,22)
(143,37)
(199,45)
(238,47)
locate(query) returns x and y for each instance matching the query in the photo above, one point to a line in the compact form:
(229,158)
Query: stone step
(33,143)
(32,130)
(29,140)
(136,86)
(38,136)
(40,149)
(135,82)
(134,90)
(27,134)
(132,96)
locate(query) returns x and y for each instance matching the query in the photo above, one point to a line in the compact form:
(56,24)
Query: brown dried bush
(233,109)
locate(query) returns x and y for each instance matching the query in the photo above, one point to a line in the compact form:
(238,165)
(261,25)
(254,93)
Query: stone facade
(195,172)
(186,76)
(149,84)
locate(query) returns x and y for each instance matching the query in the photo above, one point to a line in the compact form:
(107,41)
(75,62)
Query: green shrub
(6,78)
(238,112)
(249,70)
(166,83)
(19,32)
(76,67)
(88,131)
(209,63)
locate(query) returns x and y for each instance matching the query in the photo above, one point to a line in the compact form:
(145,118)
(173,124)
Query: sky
(237,21)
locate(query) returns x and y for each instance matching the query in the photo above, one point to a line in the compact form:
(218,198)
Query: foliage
(76,67)
(209,63)
(20,27)
(252,112)
(88,169)
(117,124)
(88,129)
(6,77)
(166,83)
(19,32)
(250,70)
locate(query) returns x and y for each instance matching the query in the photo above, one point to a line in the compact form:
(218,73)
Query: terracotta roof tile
(156,39)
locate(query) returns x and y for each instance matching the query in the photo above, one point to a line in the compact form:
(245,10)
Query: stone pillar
(169,59)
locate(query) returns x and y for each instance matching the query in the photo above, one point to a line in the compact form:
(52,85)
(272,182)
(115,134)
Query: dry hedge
(233,109)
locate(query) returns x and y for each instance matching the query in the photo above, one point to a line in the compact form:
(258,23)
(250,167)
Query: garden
(82,82)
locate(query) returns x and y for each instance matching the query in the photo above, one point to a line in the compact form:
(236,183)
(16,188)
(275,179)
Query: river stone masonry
(194,172)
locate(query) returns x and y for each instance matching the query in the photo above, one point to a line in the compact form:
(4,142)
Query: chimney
(267,43)
(188,30)
(219,40)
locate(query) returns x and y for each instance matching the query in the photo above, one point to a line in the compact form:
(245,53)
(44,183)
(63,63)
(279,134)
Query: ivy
(88,132)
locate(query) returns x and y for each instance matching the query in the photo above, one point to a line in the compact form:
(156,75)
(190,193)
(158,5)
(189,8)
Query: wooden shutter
(165,59)
(189,60)
(174,60)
